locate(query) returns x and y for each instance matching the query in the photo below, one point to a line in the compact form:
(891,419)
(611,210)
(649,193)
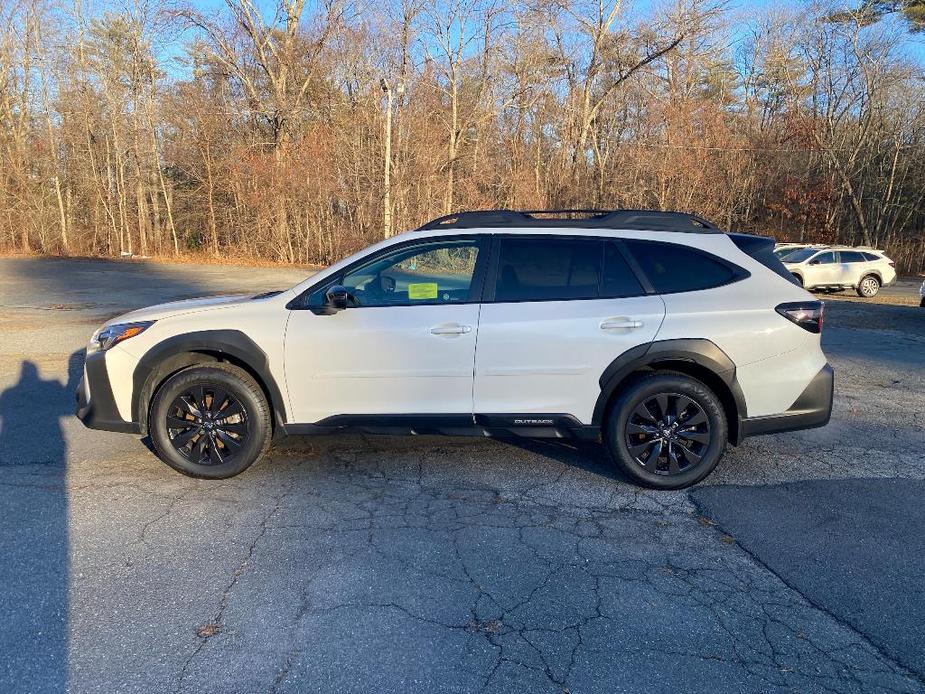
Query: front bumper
(96,407)
(812,409)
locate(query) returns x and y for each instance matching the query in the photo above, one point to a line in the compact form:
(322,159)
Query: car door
(823,269)
(557,312)
(405,344)
(852,266)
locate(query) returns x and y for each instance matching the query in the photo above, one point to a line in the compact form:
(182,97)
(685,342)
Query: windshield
(784,252)
(800,255)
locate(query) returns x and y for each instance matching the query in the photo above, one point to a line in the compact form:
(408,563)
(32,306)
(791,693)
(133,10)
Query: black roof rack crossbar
(647,220)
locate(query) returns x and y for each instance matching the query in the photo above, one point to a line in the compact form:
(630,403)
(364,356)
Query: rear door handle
(618,323)
(450,329)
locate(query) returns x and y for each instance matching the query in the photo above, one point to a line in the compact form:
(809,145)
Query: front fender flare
(231,343)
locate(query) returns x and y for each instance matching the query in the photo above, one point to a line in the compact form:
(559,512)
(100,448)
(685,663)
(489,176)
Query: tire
(868,286)
(210,447)
(693,451)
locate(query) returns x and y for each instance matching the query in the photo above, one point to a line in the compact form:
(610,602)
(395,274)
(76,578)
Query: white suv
(863,270)
(653,332)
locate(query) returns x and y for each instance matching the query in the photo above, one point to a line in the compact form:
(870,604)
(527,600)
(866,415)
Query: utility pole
(387,157)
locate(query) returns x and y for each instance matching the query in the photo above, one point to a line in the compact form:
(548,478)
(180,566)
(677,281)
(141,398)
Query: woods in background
(301,131)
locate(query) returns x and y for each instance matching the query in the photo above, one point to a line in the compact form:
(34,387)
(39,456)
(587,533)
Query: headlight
(106,337)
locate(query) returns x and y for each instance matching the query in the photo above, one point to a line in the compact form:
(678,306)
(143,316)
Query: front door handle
(618,323)
(450,329)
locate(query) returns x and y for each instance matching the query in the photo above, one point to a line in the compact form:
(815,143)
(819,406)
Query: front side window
(672,268)
(435,273)
(826,258)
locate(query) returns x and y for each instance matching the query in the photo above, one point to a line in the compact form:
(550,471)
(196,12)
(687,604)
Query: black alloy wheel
(668,433)
(666,430)
(207,425)
(210,420)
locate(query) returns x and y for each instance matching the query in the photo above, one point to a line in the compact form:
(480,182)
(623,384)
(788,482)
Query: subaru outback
(654,333)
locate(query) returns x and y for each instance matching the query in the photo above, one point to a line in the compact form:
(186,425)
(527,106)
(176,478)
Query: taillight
(806,314)
(892,264)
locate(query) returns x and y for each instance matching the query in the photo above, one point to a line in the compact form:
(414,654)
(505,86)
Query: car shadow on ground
(583,455)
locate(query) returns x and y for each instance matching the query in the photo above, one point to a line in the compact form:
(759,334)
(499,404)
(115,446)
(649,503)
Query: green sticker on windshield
(422,290)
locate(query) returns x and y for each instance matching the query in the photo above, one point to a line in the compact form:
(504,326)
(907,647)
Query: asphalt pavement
(381,564)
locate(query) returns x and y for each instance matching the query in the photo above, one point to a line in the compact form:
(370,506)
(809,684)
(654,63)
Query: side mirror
(336,298)
(814,262)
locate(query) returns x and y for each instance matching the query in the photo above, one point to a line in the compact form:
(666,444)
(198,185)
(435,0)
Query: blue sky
(740,11)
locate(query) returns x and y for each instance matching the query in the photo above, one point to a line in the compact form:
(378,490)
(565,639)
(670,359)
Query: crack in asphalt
(218,620)
(822,608)
(764,627)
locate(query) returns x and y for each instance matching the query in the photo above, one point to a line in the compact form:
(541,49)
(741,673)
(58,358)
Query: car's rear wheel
(210,421)
(666,430)
(868,286)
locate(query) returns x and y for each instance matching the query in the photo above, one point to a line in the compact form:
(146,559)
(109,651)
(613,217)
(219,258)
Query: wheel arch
(182,351)
(698,358)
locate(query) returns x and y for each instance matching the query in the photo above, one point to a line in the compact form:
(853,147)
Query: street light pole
(387,155)
(387,162)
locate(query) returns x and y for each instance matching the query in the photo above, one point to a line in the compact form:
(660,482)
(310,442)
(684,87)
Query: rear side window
(672,268)
(871,256)
(619,280)
(852,257)
(532,269)
(560,269)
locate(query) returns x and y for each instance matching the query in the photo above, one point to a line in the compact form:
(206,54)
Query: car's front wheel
(868,287)
(666,430)
(210,421)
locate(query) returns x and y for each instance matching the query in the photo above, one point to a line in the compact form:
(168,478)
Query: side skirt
(547,426)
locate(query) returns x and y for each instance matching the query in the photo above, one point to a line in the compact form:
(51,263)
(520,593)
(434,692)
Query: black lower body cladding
(812,409)
(96,406)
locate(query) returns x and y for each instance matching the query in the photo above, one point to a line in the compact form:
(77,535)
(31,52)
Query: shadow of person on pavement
(30,415)
(34,571)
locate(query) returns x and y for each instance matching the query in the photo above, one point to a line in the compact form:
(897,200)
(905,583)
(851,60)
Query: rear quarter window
(672,268)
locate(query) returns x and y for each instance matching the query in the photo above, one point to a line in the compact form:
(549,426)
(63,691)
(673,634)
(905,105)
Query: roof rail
(647,220)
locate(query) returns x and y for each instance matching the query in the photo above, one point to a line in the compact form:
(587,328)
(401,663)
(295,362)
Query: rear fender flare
(700,352)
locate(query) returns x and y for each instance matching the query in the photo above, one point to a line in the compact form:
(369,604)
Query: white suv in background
(652,332)
(863,270)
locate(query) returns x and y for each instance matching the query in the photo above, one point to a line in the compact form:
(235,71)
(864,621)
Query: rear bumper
(812,409)
(96,407)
